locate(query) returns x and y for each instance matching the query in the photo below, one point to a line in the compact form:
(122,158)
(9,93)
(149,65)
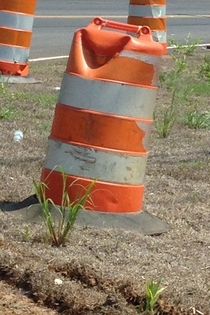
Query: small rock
(58,281)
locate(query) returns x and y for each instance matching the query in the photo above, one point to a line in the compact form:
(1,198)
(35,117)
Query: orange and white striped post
(151,13)
(103,118)
(16,22)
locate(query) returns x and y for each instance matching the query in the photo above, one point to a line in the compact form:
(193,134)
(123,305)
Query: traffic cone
(16,18)
(151,13)
(102,124)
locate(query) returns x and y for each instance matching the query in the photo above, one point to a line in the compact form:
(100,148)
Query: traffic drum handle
(137,29)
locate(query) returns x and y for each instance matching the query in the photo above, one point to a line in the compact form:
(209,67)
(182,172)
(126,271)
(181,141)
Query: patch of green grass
(44,100)
(19,96)
(44,127)
(199,88)
(165,121)
(3,88)
(165,117)
(7,113)
(184,90)
(197,120)
(186,49)
(205,68)
(177,83)
(192,164)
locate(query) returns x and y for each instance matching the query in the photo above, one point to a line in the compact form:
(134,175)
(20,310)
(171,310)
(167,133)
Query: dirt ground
(105,271)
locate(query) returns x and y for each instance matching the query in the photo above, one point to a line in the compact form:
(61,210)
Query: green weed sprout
(186,49)
(68,211)
(205,69)
(165,124)
(6,113)
(197,120)
(153,292)
(25,231)
(168,114)
(3,86)
(175,83)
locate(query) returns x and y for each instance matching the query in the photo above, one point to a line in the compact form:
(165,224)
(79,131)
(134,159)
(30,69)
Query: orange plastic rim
(105,196)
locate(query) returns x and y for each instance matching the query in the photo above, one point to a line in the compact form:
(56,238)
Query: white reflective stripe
(161,36)
(147,10)
(16,21)
(14,54)
(107,97)
(152,60)
(95,164)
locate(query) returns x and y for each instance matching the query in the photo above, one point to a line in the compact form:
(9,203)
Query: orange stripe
(22,6)
(79,126)
(15,37)
(148,2)
(11,68)
(157,24)
(105,196)
(120,69)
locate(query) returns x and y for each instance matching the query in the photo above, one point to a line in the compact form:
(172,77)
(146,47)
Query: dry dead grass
(104,272)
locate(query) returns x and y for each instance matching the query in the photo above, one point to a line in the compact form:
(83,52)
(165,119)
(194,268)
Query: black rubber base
(13,206)
(142,222)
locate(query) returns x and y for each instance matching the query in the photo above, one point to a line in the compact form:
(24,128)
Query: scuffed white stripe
(152,60)
(147,11)
(95,164)
(14,54)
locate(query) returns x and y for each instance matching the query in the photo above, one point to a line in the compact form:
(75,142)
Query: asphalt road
(56,20)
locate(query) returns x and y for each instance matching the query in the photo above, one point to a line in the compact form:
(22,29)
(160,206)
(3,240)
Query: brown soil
(105,271)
